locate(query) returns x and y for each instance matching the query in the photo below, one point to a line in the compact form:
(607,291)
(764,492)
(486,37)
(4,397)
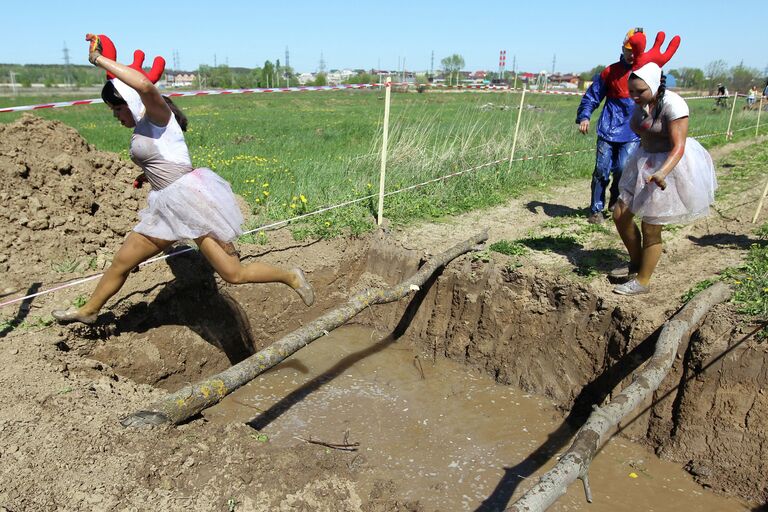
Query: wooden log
(190,400)
(575,462)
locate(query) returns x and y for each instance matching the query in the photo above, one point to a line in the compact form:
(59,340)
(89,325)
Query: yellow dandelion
(737,282)
(258,200)
(293,205)
(303,199)
(265,185)
(265,192)
(294,198)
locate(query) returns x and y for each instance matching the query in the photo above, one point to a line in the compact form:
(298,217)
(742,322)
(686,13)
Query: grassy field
(296,152)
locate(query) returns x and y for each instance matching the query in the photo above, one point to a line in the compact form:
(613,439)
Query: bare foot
(303,288)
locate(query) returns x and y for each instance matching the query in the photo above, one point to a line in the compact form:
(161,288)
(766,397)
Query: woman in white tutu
(184,203)
(670,179)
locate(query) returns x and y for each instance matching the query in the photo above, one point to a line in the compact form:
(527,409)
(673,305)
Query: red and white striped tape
(211,92)
(51,105)
(502,88)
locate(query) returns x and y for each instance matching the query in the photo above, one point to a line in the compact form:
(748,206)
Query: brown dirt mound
(62,197)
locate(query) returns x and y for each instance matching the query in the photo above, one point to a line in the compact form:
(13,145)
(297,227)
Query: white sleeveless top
(160,151)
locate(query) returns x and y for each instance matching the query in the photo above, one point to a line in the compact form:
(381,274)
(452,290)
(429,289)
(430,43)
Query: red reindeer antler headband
(637,42)
(108,50)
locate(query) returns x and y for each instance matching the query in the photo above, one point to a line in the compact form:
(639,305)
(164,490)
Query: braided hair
(660,96)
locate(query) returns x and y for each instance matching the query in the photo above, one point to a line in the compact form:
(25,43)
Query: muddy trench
(543,335)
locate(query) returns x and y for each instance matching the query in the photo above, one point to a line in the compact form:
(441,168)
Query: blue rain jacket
(611,84)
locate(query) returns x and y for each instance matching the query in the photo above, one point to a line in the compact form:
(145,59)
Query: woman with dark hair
(184,203)
(669,180)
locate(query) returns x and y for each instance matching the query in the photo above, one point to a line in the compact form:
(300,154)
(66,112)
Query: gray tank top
(160,151)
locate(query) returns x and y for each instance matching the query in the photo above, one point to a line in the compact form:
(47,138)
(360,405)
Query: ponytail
(177,113)
(660,96)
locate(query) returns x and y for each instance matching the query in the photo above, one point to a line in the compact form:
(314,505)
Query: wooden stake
(517,127)
(728,132)
(192,399)
(384,141)
(759,110)
(760,203)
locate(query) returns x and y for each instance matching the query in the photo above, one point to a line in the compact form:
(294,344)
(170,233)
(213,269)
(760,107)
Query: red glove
(140,180)
(101,45)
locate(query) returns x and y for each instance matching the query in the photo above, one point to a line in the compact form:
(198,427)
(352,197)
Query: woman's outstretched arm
(157,109)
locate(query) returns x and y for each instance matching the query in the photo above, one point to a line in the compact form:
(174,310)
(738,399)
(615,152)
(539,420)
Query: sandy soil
(65,209)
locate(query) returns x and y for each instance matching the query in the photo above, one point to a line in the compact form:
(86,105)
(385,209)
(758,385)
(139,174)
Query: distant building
(337,76)
(180,79)
(671,81)
(305,78)
(567,79)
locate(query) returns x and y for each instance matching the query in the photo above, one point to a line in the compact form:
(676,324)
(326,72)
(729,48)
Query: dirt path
(692,253)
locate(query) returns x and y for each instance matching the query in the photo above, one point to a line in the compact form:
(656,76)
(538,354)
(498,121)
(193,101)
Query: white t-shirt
(647,122)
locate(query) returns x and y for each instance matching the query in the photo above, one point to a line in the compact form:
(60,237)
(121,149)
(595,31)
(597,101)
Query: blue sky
(373,34)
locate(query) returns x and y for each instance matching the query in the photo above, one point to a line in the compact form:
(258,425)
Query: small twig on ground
(346,447)
(417,364)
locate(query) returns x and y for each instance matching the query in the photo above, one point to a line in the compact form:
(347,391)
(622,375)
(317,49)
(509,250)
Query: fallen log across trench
(192,399)
(597,429)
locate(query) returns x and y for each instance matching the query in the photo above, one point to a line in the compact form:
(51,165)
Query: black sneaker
(624,272)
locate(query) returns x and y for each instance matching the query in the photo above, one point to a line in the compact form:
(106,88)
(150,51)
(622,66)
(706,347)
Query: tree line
(737,78)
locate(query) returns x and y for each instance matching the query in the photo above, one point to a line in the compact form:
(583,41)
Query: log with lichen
(600,424)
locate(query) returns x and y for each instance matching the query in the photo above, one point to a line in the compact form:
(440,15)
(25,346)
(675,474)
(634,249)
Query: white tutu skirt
(197,204)
(690,186)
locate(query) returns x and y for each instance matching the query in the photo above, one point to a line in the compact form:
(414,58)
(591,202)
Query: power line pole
(13,82)
(432,64)
(287,69)
(66,64)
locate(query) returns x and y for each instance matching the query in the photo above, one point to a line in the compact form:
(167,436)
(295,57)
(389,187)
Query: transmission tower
(176,61)
(432,64)
(287,58)
(322,63)
(66,65)
(554,60)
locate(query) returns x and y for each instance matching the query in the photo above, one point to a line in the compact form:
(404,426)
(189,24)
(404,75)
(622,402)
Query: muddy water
(450,439)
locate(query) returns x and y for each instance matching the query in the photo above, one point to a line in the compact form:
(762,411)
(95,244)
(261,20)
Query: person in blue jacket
(615,140)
